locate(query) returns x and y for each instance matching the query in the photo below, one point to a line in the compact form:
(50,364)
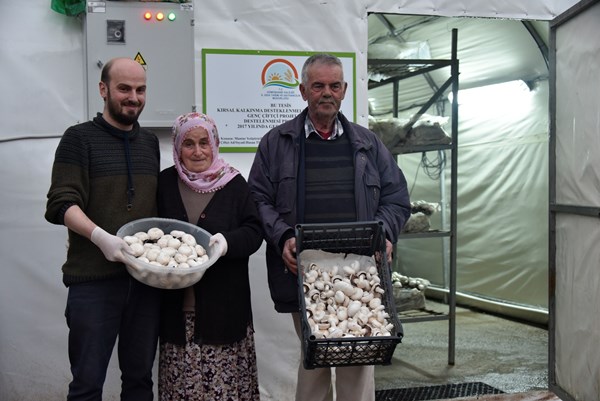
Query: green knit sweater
(91,170)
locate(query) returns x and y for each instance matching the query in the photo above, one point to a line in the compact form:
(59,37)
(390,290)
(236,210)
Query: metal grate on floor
(436,392)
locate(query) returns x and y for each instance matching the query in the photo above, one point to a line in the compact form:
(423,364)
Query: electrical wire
(432,168)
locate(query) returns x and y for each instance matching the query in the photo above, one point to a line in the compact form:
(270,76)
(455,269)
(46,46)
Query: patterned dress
(194,372)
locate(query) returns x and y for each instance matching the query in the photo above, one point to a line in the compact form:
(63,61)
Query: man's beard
(118,115)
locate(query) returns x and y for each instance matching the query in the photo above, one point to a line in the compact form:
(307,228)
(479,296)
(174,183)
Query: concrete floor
(505,354)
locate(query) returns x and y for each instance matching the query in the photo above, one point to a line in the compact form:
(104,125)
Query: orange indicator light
(160,16)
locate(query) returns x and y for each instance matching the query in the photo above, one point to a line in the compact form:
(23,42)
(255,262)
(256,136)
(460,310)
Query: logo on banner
(280,72)
(279,80)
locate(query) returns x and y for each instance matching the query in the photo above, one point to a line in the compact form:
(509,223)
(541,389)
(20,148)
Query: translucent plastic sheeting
(502,232)
(578,124)
(576,355)
(508,9)
(577,331)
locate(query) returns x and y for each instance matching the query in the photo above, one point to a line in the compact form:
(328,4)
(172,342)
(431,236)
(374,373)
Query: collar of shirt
(338,130)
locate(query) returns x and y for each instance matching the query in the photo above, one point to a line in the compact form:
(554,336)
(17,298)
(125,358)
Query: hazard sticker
(140,59)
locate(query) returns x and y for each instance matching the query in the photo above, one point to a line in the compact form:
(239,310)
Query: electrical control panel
(160,36)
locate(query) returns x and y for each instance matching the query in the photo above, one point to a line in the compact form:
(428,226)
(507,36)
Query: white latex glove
(220,243)
(111,246)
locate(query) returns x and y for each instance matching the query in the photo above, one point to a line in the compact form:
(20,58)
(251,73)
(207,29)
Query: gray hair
(320,58)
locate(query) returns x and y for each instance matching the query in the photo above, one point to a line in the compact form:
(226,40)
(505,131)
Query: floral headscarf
(219,173)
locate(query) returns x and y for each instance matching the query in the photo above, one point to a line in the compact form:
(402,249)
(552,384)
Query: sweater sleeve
(70,178)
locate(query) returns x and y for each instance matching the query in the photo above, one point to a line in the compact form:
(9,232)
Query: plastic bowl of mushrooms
(167,253)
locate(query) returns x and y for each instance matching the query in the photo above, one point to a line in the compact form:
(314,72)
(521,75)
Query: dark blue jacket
(381,194)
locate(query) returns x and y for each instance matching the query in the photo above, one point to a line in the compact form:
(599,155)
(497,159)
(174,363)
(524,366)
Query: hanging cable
(434,168)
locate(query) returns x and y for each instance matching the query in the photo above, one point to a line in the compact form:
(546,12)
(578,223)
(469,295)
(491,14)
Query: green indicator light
(171,16)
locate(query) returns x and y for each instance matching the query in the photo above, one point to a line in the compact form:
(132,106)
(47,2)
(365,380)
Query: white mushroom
(177,233)
(155,233)
(357,294)
(150,245)
(339,297)
(188,239)
(185,250)
(200,250)
(163,241)
(137,248)
(335,332)
(131,239)
(174,243)
(345,287)
(351,304)
(353,308)
(375,302)
(143,236)
(180,258)
(152,254)
(169,251)
(348,270)
(319,315)
(163,258)
(342,313)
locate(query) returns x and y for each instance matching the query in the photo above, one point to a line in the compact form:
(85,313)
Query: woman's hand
(221,243)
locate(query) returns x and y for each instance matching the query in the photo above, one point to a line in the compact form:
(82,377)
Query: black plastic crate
(364,238)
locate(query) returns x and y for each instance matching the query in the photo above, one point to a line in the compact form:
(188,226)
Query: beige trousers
(352,383)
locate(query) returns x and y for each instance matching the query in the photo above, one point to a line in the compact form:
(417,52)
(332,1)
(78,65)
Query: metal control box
(160,36)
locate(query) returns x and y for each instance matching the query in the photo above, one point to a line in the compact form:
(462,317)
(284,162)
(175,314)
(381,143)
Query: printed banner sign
(249,92)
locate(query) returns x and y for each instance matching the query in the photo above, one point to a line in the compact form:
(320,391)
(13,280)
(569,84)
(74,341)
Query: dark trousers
(97,313)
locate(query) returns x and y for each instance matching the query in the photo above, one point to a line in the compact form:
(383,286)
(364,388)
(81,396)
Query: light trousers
(352,383)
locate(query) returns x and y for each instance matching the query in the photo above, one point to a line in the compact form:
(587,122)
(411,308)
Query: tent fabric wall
(43,92)
(514,9)
(502,244)
(576,184)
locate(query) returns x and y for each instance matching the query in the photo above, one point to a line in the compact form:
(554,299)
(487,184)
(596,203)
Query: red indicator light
(147,15)
(160,16)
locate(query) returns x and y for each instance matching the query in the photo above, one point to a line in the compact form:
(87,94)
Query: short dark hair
(105,74)
(320,58)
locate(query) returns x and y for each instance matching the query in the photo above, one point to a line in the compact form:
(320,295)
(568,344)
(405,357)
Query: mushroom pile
(416,284)
(176,249)
(345,301)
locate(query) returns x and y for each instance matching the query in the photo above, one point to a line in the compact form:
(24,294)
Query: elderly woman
(207,343)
